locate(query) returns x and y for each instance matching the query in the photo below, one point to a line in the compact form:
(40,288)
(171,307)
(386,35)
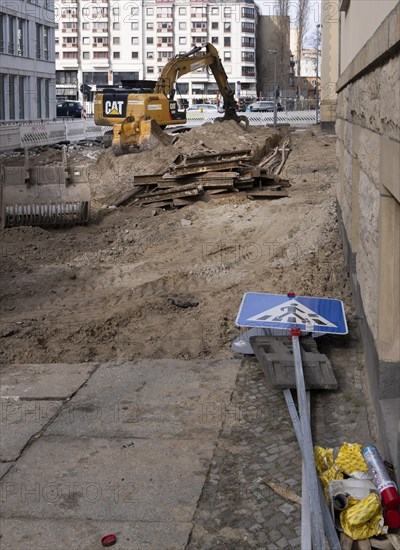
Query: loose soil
(139,282)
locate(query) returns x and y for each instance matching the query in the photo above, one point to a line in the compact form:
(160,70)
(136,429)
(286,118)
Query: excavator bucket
(45,196)
(137,135)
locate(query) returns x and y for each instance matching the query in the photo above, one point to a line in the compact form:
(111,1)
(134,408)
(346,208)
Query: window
(70,55)
(66,77)
(248,12)
(248,71)
(20,37)
(135,55)
(86,40)
(227,41)
(182,11)
(182,40)
(116,55)
(46,37)
(149,26)
(11,35)
(11,96)
(100,41)
(248,56)
(86,55)
(38,42)
(227,27)
(85,12)
(100,26)
(135,11)
(117,26)
(115,11)
(47,98)
(214,11)
(149,40)
(149,11)
(227,56)
(248,27)
(182,26)
(85,26)
(199,13)
(134,25)
(248,42)
(228,13)
(70,40)
(164,12)
(39,97)
(214,25)
(21,98)
(199,26)
(2,20)
(150,55)
(116,40)
(100,55)
(150,70)
(214,40)
(2,97)
(134,40)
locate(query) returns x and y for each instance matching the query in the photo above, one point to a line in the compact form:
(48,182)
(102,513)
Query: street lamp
(275,53)
(316,82)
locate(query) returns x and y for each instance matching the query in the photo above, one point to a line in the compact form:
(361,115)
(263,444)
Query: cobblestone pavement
(257,442)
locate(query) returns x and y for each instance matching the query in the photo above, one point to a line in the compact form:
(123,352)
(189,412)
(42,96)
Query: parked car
(201,107)
(70,108)
(261,107)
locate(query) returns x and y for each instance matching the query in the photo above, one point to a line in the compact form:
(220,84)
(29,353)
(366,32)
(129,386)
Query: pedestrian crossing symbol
(281,312)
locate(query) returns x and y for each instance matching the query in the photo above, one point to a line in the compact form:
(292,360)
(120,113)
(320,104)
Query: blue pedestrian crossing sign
(277,311)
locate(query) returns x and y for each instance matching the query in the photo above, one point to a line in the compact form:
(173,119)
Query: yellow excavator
(138,114)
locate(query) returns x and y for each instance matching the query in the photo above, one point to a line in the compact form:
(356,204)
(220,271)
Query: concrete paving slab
(4,467)
(157,399)
(19,421)
(86,535)
(51,381)
(108,479)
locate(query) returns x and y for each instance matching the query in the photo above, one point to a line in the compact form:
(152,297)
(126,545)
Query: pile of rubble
(210,175)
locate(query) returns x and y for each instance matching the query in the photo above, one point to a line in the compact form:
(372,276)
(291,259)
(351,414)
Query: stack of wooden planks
(209,176)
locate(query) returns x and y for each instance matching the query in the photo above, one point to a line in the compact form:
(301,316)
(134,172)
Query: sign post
(296,315)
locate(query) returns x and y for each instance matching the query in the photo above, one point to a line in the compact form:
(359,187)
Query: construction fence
(34,134)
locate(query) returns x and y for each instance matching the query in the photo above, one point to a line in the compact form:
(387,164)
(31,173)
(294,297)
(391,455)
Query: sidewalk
(136,449)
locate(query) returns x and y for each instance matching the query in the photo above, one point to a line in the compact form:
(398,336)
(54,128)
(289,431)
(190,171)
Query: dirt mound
(111,176)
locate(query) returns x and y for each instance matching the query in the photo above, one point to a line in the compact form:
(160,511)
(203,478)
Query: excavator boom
(128,111)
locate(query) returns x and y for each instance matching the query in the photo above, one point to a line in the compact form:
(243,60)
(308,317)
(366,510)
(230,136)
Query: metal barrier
(294,118)
(15,136)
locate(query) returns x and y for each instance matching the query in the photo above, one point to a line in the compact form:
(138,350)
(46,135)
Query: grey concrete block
(50,381)
(19,421)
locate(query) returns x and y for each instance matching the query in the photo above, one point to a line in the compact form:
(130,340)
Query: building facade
(275,68)
(27,61)
(108,41)
(368,195)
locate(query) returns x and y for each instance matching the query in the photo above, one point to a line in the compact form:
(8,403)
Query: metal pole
(317,528)
(316,82)
(329,526)
(305,500)
(275,90)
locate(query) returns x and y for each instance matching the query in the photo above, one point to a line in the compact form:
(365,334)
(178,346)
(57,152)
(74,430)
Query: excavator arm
(201,56)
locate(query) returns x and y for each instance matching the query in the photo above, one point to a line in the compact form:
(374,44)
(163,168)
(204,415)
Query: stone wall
(368,195)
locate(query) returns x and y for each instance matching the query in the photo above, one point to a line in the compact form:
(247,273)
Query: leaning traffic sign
(283,312)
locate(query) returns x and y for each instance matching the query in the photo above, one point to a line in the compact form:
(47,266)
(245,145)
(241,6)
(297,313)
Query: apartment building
(27,62)
(106,41)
